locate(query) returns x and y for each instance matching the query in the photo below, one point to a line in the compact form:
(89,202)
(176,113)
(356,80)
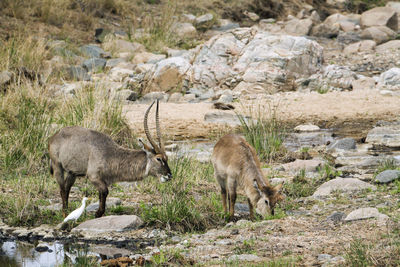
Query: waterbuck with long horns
(236,164)
(76,151)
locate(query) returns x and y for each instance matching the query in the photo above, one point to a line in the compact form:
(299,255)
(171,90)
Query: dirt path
(353,111)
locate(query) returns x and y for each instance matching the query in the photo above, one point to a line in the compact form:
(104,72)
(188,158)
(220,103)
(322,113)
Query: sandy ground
(353,111)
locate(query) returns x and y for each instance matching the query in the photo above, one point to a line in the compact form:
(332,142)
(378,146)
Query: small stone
(344,144)
(388,176)
(365,213)
(306,128)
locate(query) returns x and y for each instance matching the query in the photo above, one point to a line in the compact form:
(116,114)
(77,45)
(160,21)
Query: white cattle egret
(76,213)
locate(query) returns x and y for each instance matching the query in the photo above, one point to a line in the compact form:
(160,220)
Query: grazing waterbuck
(236,164)
(76,151)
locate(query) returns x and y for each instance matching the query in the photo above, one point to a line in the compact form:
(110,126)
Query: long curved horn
(146,130)
(159,130)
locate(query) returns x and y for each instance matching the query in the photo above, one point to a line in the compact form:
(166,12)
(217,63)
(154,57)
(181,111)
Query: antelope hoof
(98,214)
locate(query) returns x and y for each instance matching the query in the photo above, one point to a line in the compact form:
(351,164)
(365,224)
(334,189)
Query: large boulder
(299,26)
(380,16)
(168,74)
(108,224)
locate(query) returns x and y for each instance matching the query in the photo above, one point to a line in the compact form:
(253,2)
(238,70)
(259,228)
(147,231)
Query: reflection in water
(14,254)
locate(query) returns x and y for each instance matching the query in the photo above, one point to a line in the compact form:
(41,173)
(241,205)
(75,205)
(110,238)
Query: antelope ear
(279,187)
(144,147)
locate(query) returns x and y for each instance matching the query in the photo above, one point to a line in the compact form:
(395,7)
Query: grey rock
(113,62)
(93,51)
(388,136)
(77,73)
(339,76)
(390,80)
(207,95)
(204,22)
(345,144)
(365,213)
(349,37)
(184,30)
(5,79)
(325,30)
(109,224)
(343,184)
(388,176)
(336,217)
(94,64)
(379,34)
(226,98)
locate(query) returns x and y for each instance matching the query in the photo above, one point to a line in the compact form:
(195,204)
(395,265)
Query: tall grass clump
(25,119)
(263,130)
(178,208)
(95,108)
(22,50)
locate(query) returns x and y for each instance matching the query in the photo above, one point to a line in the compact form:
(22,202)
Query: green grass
(246,247)
(264,132)
(177,206)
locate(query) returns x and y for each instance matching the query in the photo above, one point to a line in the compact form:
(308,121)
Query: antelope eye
(159,159)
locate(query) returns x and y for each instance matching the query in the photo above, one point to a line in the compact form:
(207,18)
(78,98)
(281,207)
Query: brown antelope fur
(236,164)
(76,151)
